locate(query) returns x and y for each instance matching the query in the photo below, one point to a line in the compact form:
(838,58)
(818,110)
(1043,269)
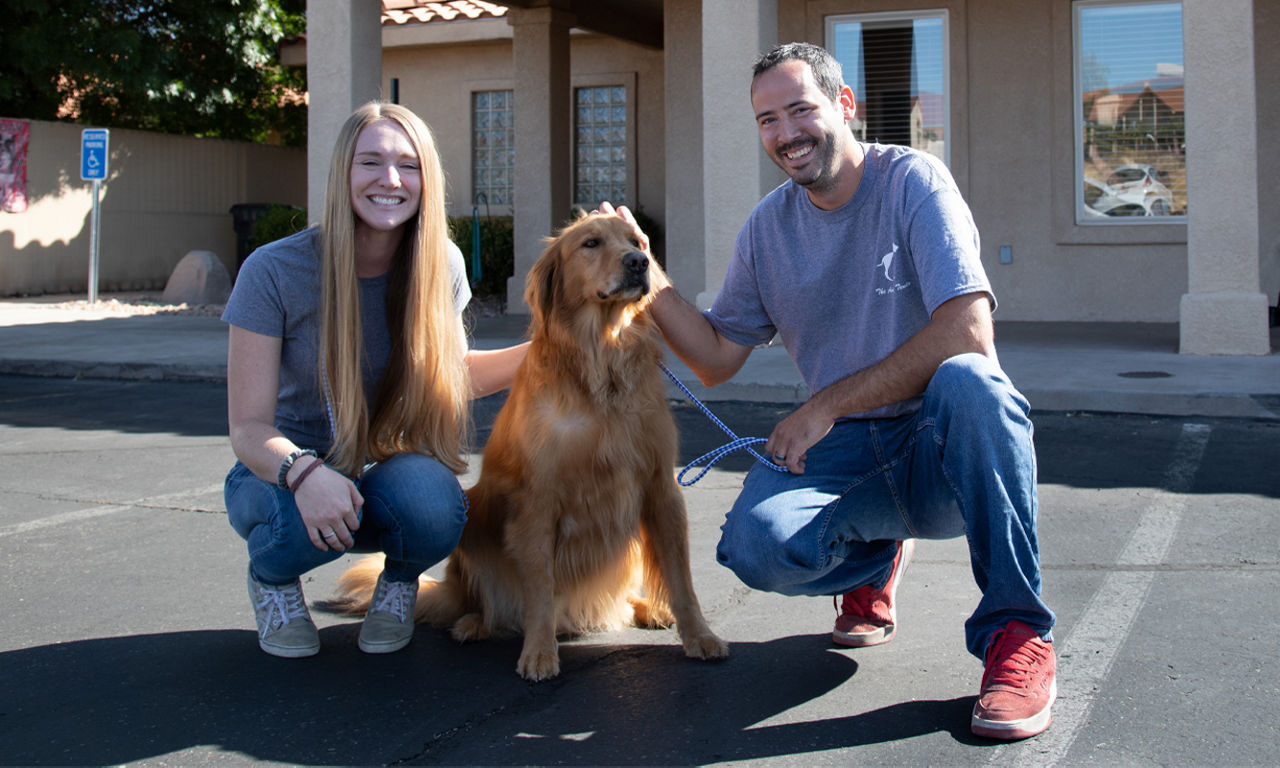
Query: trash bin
(242,217)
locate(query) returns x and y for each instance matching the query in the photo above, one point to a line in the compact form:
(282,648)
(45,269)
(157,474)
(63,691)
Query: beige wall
(1266,19)
(1022,172)
(165,196)
(1011,146)
(437,78)
(1011,153)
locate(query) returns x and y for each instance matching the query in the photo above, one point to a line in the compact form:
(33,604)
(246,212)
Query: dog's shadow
(127,699)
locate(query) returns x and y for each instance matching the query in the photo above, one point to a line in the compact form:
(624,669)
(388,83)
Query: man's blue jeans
(964,464)
(414,510)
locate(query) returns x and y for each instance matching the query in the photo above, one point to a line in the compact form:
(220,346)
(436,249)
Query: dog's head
(597,261)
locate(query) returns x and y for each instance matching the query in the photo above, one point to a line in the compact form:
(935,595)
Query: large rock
(200,278)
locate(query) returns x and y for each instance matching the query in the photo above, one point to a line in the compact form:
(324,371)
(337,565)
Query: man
(866,263)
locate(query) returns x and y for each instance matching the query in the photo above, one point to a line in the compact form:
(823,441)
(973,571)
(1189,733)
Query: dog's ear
(540,288)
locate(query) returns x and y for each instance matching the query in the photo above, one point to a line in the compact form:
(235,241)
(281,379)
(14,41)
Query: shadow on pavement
(124,699)
(1078,449)
(196,409)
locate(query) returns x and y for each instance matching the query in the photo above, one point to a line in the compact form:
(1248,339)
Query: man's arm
(712,357)
(960,325)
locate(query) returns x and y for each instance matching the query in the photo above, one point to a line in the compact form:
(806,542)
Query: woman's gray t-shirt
(277,293)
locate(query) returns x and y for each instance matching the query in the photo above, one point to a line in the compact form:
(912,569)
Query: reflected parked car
(1142,182)
(1100,201)
(1130,196)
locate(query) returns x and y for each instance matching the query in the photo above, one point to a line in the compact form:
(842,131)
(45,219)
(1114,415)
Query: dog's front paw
(538,664)
(705,646)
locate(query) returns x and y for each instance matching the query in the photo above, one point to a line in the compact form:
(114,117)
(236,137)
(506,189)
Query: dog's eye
(635,241)
(592,243)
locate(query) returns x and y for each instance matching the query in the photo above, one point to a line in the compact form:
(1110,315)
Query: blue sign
(93,153)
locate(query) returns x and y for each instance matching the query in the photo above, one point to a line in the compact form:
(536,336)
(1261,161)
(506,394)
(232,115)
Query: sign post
(94,143)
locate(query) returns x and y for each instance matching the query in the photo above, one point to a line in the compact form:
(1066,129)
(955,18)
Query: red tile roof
(396,12)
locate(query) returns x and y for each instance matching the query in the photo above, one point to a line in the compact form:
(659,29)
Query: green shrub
(276,222)
(497,252)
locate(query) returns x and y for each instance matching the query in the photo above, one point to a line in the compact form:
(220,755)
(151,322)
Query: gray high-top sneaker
(284,624)
(388,626)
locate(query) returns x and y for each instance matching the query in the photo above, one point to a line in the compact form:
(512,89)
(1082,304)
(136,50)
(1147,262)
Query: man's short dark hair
(826,70)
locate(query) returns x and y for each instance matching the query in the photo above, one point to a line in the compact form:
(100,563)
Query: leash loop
(711,457)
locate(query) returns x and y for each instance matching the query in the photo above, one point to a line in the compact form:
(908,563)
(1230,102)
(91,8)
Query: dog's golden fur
(576,523)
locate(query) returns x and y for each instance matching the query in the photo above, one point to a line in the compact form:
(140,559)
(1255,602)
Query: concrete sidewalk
(1108,367)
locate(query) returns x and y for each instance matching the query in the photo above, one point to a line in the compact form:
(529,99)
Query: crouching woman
(348,381)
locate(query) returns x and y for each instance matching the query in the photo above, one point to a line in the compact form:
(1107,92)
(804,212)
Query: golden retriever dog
(576,523)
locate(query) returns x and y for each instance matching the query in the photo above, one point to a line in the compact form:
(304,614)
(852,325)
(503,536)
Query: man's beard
(820,174)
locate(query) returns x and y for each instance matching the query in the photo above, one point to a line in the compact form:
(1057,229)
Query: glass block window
(897,66)
(1130,123)
(493,147)
(600,145)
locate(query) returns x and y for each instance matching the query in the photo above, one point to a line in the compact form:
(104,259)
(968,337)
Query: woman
(348,380)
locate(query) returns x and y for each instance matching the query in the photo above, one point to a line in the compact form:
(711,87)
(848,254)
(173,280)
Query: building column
(540,55)
(685,202)
(344,70)
(716,170)
(1224,311)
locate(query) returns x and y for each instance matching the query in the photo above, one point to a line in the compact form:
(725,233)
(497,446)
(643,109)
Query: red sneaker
(867,615)
(1018,687)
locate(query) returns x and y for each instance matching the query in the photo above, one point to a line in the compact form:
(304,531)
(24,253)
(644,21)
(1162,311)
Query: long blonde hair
(421,405)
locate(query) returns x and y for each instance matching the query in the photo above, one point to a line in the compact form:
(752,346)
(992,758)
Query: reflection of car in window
(1131,190)
(1143,180)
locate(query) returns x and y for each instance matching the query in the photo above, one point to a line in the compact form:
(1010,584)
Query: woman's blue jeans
(964,464)
(414,510)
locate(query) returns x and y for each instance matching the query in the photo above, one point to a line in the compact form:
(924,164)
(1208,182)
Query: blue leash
(738,443)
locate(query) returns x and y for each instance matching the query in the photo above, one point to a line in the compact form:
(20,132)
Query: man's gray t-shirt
(845,288)
(277,293)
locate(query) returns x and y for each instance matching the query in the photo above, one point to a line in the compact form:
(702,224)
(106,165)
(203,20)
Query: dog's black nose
(635,262)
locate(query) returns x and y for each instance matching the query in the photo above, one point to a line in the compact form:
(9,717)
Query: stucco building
(1120,156)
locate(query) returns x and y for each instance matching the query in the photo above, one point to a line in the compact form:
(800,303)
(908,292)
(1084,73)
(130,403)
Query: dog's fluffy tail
(355,586)
(439,602)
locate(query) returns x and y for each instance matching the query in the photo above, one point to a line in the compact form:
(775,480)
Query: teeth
(385,200)
(799,153)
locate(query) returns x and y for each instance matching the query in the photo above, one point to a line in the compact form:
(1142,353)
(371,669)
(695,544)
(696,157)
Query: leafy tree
(203,68)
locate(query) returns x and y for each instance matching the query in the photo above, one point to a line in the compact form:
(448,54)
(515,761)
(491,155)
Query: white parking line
(89,513)
(1086,655)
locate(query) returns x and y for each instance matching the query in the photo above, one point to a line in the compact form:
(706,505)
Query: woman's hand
(329,504)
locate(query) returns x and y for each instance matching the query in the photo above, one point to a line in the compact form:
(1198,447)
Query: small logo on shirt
(886,264)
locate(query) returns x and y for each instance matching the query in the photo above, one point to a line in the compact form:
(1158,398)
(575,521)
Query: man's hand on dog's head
(626,215)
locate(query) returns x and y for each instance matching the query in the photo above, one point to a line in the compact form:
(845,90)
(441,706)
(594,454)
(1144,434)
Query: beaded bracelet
(312,467)
(287,464)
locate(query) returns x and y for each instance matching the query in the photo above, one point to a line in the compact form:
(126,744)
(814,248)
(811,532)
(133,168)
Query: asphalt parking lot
(128,634)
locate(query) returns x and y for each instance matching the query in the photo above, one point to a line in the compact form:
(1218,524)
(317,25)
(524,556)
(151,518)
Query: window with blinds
(1130,127)
(897,66)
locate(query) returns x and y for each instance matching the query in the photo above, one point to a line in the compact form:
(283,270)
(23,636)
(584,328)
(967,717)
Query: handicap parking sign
(93,153)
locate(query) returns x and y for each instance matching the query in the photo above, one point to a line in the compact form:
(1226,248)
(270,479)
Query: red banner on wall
(14,135)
